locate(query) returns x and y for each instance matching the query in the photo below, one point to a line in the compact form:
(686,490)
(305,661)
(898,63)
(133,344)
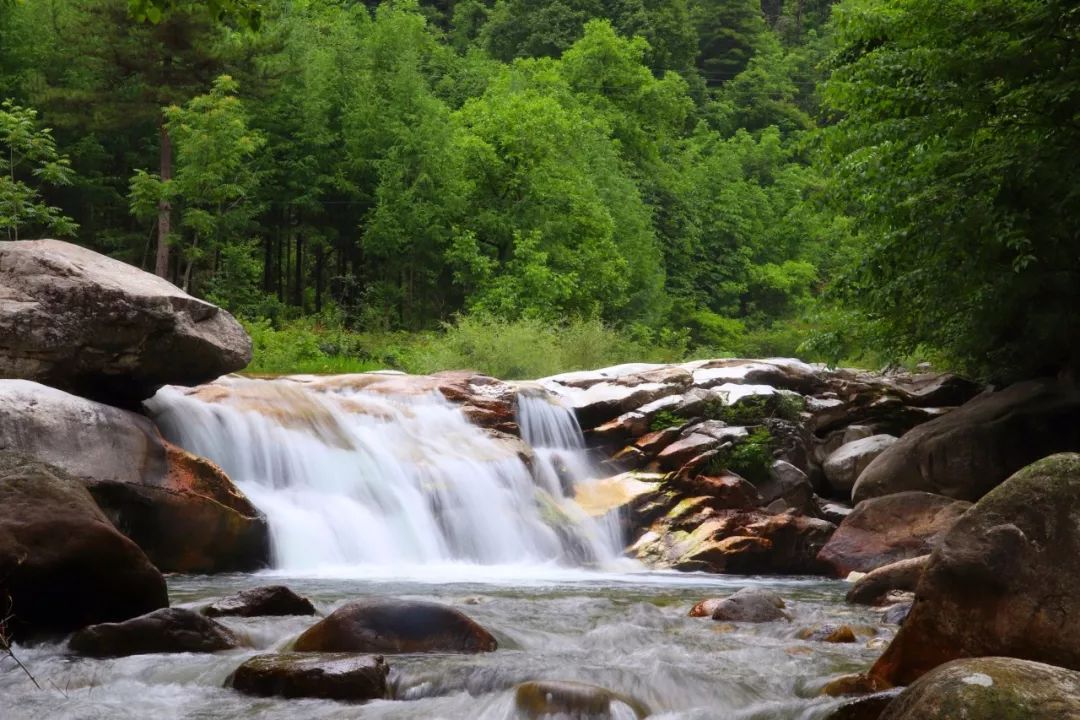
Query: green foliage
(755,409)
(750,457)
(665,419)
(953,146)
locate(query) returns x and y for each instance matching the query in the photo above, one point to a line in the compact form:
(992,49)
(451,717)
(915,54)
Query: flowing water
(397,495)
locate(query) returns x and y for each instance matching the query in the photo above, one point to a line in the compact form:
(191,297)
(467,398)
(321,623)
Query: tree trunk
(161,262)
(320,258)
(298,269)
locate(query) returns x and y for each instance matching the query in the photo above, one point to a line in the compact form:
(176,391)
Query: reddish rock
(884,530)
(396,626)
(170,630)
(331,676)
(726,491)
(62,564)
(675,455)
(652,443)
(705,607)
(266,600)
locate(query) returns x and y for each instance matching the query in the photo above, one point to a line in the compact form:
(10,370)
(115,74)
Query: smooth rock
(331,676)
(396,626)
(990,688)
(1005,580)
(971,450)
(62,564)
(97,327)
(182,510)
(868,707)
(266,600)
(827,633)
(542,699)
(679,452)
(884,530)
(705,608)
(843,467)
(874,587)
(170,630)
(752,605)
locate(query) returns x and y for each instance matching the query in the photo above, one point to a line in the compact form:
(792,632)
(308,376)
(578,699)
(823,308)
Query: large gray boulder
(1005,580)
(182,510)
(971,450)
(97,327)
(62,564)
(843,467)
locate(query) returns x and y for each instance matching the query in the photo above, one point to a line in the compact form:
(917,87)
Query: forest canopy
(421,183)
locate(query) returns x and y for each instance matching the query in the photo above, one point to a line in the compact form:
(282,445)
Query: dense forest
(532,185)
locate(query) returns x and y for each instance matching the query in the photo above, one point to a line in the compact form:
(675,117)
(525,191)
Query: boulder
(751,605)
(787,487)
(868,707)
(396,626)
(685,449)
(990,688)
(827,633)
(182,510)
(728,491)
(171,630)
(97,327)
(872,588)
(884,530)
(62,564)
(330,676)
(971,450)
(266,600)
(543,699)
(705,608)
(843,467)
(1005,580)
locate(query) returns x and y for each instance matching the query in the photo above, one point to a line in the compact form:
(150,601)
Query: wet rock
(573,701)
(872,588)
(897,613)
(827,633)
(1005,580)
(855,684)
(869,707)
(170,630)
(182,510)
(705,608)
(752,605)
(62,564)
(990,688)
(331,676)
(971,450)
(620,389)
(843,467)
(884,530)
(396,626)
(266,600)
(103,329)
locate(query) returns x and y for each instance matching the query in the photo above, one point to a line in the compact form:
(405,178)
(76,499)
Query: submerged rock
(827,633)
(573,701)
(62,564)
(990,688)
(1005,580)
(182,510)
(884,530)
(267,600)
(868,707)
(753,605)
(101,328)
(171,630)
(331,676)
(396,626)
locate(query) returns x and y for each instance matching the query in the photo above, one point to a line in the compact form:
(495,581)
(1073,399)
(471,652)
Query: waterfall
(349,477)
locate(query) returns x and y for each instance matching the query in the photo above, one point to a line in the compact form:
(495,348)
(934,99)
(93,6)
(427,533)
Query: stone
(884,530)
(266,600)
(705,608)
(396,626)
(854,684)
(542,699)
(751,605)
(62,564)
(101,328)
(170,630)
(827,633)
(990,688)
(182,510)
(968,452)
(789,484)
(896,614)
(675,455)
(843,467)
(728,491)
(875,586)
(868,707)
(330,676)
(1005,580)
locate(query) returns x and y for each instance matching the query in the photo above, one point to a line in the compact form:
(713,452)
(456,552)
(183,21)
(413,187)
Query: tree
(953,146)
(28,154)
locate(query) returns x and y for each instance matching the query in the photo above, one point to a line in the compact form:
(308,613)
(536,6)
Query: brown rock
(883,530)
(170,630)
(705,607)
(855,684)
(874,587)
(725,491)
(97,327)
(331,676)
(971,450)
(679,452)
(827,633)
(396,626)
(266,600)
(868,707)
(62,564)
(557,698)
(1003,581)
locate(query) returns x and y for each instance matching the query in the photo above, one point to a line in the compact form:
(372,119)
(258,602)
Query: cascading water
(351,477)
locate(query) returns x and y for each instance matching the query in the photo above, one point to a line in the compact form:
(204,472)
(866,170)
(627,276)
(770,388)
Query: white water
(349,478)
